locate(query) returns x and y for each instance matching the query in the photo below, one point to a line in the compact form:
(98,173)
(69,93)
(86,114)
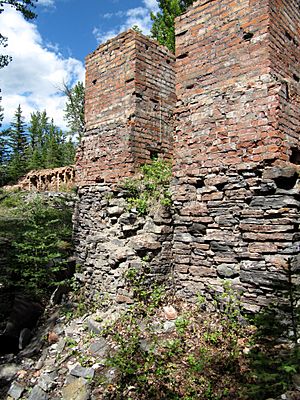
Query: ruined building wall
(236,192)
(129,103)
(285,55)
(112,239)
(236,153)
(130,98)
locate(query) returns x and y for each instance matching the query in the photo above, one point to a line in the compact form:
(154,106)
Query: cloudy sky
(50,50)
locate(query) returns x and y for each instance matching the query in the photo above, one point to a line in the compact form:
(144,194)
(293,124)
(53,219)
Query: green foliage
(148,295)
(136,28)
(163,28)
(38,250)
(17,142)
(24,6)
(152,365)
(151,189)
(208,356)
(12,200)
(40,145)
(181,325)
(48,146)
(272,358)
(74,111)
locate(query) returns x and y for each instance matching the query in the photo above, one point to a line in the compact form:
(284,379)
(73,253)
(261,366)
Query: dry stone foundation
(235,146)
(112,239)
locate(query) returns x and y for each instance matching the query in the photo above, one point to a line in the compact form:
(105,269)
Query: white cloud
(152,5)
(46,3)
(34,77)
(139,16)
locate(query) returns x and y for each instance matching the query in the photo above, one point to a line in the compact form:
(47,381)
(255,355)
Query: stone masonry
(235,213)
(130,98)
(236,189)
(112,239)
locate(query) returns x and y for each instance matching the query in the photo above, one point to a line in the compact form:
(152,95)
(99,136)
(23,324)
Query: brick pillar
(130,97)
(237,145)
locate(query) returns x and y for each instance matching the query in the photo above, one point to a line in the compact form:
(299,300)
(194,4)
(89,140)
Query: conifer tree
(54,147)
(69,151)
(17,141)
(163,28)
(4,157)
(1,112)
(38,132)
(48,146)
(74,110)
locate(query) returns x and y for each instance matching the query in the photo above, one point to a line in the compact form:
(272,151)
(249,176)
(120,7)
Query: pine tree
(17,141)
(163,28)
(54,147)
(48,146)
(74,110)
(38,132)
(4,157)
(1,112)
(69,151)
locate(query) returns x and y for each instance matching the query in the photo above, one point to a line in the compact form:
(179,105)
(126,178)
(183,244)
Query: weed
(151,189)
(148,296)
(181,324)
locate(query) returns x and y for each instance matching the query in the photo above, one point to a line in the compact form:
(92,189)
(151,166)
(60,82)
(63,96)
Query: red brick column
(237,146)
(130,97)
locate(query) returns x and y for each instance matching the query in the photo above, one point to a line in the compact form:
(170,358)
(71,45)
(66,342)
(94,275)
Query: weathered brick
(130,98)
(238,116)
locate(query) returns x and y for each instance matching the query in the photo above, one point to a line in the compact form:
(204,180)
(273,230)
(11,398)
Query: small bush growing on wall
(151,189)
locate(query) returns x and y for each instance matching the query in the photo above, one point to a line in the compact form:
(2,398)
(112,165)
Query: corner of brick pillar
(129,101)
(237,147)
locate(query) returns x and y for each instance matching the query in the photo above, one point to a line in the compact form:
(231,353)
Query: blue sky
(50,50)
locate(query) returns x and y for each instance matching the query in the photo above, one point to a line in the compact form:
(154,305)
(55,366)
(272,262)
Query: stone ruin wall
(236,153)
(110,240)
(236,191)
(130,98)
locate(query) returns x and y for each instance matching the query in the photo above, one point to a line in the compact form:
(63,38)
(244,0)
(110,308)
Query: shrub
(40,245)
(151,189)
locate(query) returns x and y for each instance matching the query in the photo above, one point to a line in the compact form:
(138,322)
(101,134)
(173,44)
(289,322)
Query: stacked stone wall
(130,98)
(112,239)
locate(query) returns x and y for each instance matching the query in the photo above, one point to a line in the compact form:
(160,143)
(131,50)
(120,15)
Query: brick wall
(130,97)
(228,98)
(237,128)
(285,63)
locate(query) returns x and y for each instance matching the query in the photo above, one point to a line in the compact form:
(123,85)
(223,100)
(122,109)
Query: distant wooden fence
(57,179)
